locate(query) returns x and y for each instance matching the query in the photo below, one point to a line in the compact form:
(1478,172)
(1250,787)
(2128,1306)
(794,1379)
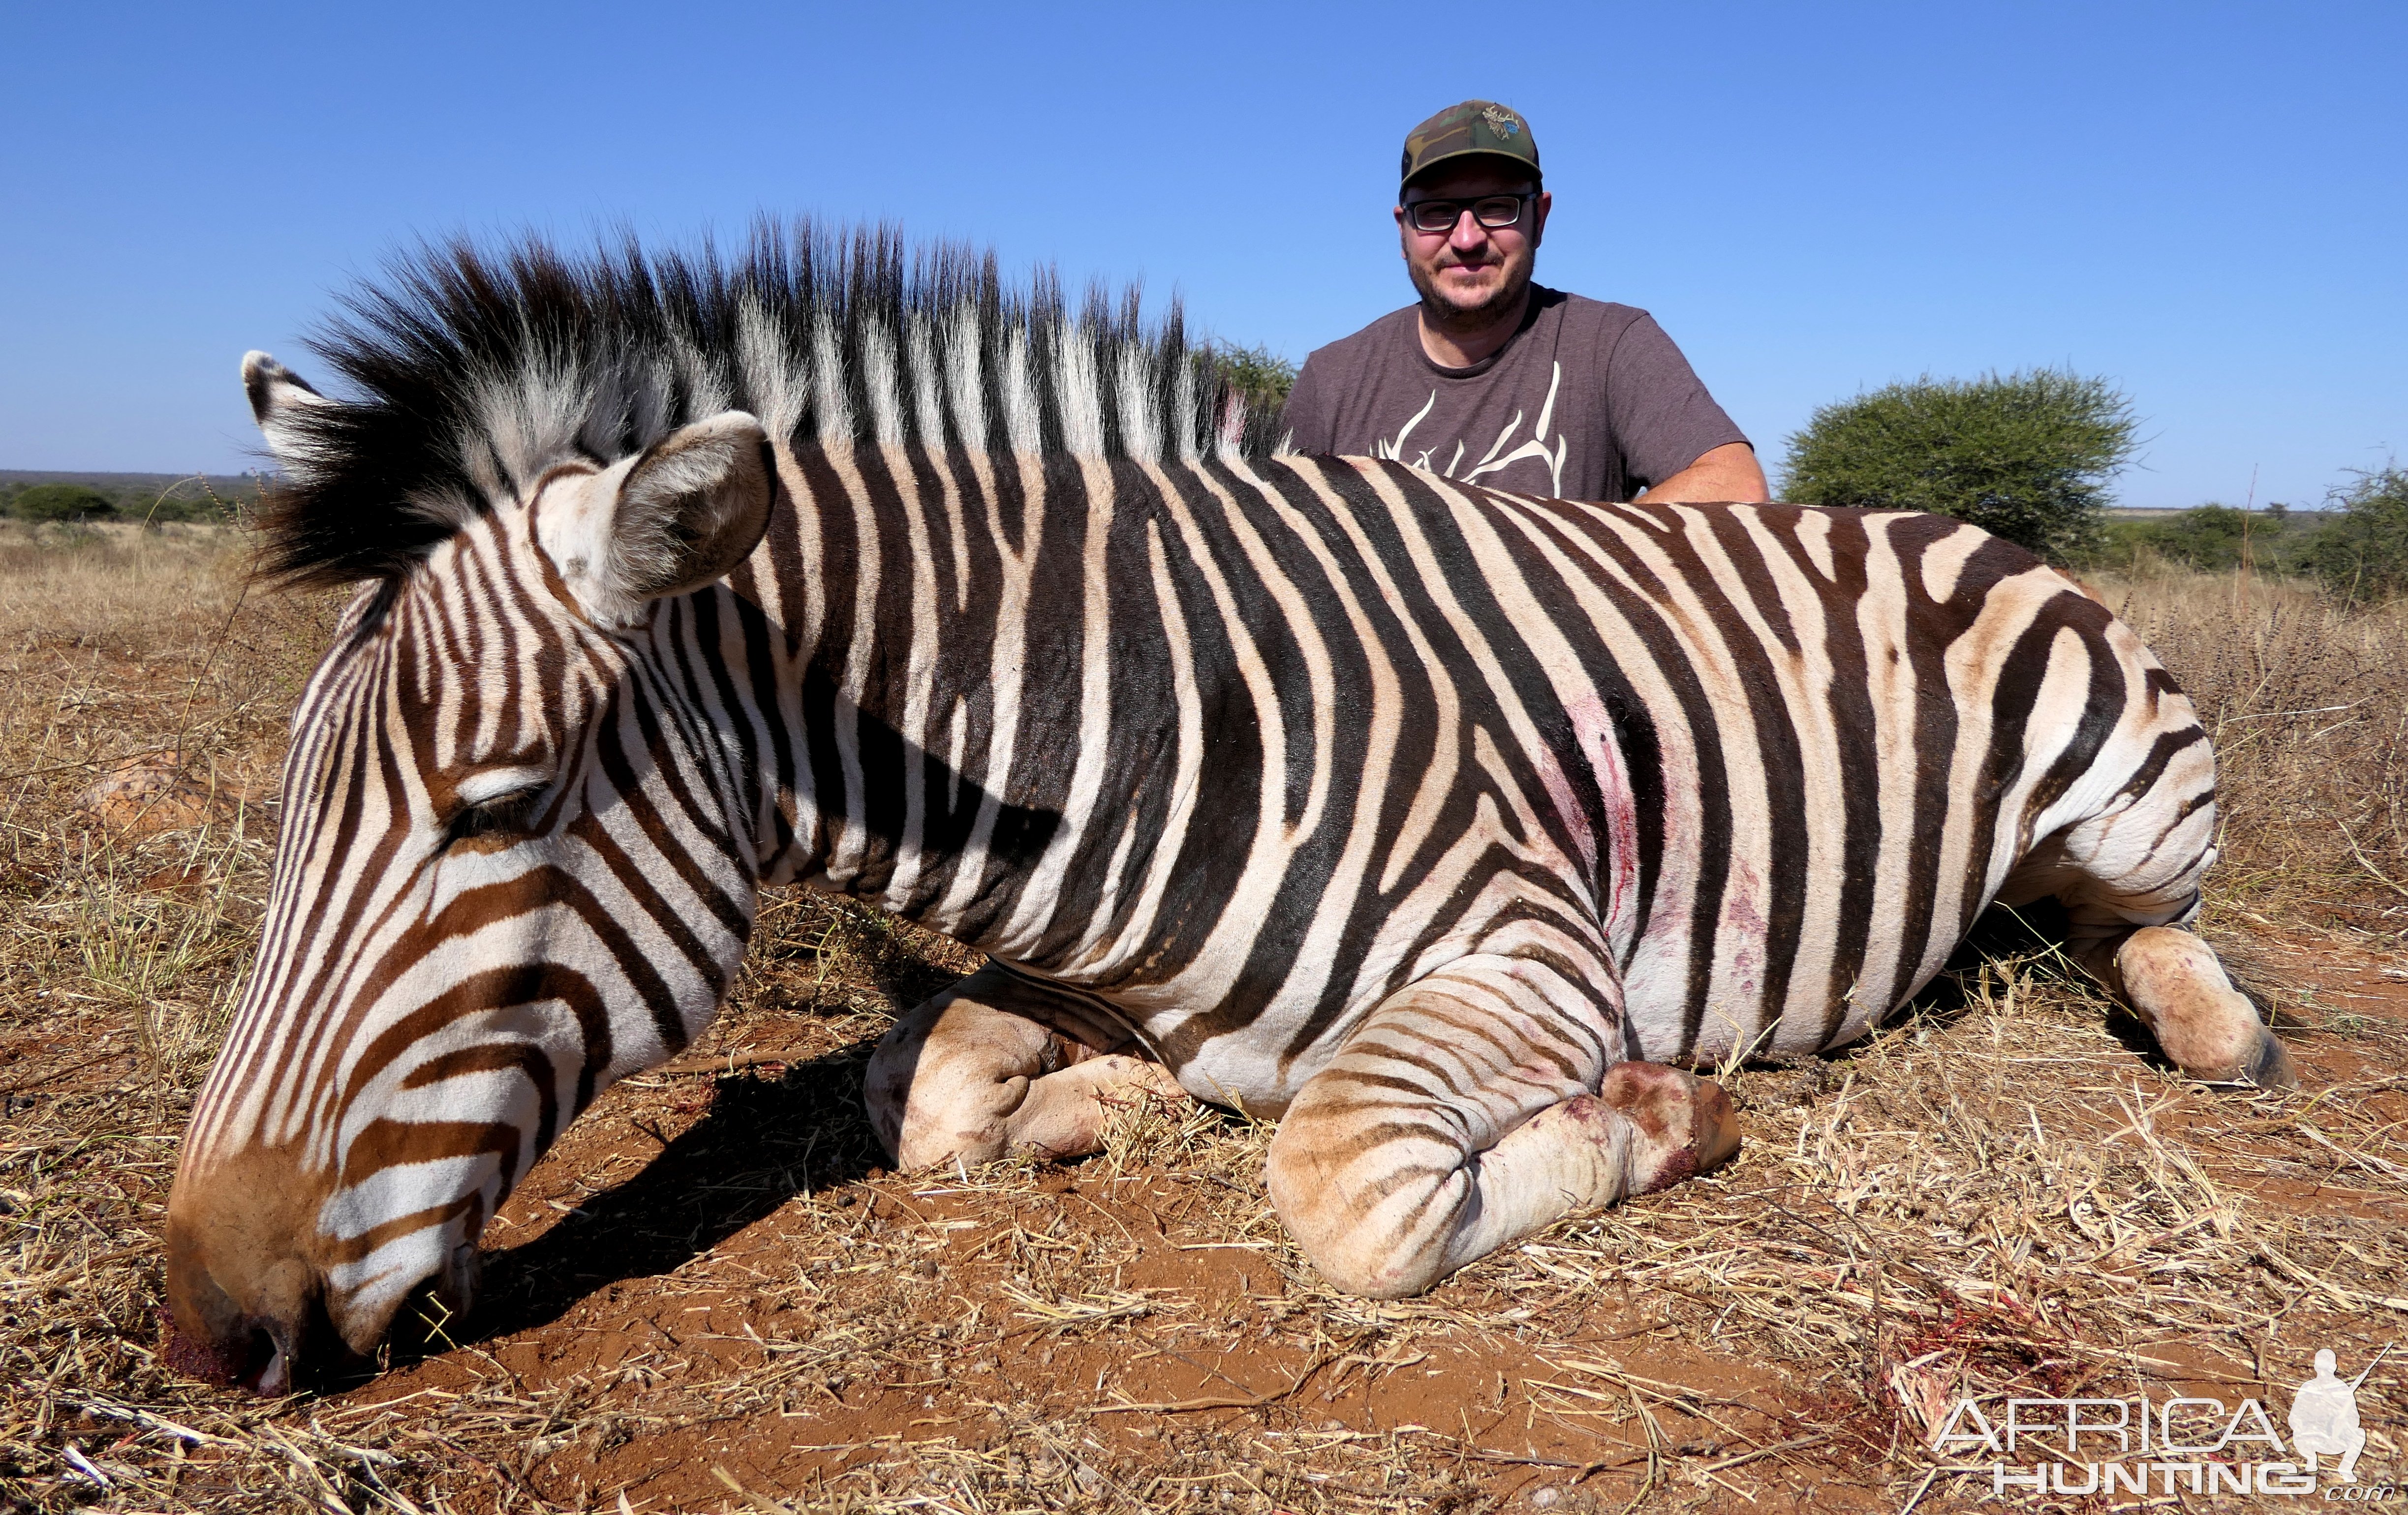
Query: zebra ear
(279,400)
(684,512)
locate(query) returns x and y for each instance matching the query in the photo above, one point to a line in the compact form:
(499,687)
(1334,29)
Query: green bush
(2027,456)
(61,502)
(1262,375)
(2208,537)
(2362,553)
(2211,539)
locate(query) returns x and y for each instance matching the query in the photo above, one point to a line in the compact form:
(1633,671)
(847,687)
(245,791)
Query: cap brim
(1525,164)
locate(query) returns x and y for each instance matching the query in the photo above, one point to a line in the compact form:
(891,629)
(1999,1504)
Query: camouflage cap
(1475,126)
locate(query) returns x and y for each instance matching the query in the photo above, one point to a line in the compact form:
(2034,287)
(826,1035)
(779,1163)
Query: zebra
(1454,829)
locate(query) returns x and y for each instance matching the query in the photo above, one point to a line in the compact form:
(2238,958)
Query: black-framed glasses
(1494,211)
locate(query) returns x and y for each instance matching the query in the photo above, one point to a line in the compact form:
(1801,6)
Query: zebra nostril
(209,1337)
(267,1366)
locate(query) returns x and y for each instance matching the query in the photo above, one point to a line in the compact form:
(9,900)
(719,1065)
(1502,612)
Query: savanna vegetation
(154,499)
(2355,548)
(2030,456)
(711,1296)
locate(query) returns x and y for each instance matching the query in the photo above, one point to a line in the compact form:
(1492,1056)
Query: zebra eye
(502,819)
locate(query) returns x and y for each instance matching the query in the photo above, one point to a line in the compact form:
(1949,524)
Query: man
(1499,382)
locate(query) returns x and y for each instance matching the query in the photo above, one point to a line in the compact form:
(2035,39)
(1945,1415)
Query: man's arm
(1673,437)
(1725,473)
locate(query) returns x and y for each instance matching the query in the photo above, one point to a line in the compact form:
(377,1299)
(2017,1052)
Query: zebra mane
(472,372)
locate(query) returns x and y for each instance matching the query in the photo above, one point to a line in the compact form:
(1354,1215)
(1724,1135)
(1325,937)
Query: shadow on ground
(764,1140)
(2031,938)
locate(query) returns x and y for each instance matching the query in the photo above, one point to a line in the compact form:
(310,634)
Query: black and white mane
(470,373)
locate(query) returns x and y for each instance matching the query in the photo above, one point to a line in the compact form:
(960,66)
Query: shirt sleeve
(1304,424)
(1662,417)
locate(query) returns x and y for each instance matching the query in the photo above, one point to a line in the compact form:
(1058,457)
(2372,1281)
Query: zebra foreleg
(972,1075)
(1468,1113)
(2174,983)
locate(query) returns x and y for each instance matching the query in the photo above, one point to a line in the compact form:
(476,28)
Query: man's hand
(1726,473)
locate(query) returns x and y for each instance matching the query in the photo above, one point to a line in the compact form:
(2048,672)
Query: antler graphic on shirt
(1537,447)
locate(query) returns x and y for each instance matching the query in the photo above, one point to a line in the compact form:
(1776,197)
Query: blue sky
(2202,203)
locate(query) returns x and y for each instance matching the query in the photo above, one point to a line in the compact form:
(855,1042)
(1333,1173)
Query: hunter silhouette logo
(2142,1446)
(2324,1416)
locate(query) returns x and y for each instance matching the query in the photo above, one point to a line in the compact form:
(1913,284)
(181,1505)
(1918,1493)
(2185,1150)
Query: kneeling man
(1499,382)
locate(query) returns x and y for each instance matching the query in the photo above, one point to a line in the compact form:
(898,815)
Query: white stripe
(827,382)
(1020,416)
(878,371)
(927,382)
(1075,387)
(1140,425)
(963,355)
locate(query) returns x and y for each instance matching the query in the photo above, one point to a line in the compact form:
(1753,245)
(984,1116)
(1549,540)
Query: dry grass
(709,1296)
(2308,704)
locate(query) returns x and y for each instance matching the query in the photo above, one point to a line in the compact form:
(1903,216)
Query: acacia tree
(2362,553)
(2027,456)
(61,502)
(1262,375)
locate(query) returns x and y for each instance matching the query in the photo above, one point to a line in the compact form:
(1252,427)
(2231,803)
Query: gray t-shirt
(1588,401)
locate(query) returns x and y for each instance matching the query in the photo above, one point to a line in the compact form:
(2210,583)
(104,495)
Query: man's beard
(1449,317)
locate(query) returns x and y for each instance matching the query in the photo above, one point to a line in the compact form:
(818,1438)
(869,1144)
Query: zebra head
(517,861)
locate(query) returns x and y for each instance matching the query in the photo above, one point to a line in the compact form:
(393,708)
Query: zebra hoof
(2204,1025)
(1687,1123)
(2259,1060)
(2270,1067)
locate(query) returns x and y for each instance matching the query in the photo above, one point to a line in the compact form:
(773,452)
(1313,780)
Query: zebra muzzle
(265,1350)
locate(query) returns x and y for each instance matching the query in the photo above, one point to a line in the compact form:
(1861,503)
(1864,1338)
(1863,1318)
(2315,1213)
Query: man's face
(1472,272)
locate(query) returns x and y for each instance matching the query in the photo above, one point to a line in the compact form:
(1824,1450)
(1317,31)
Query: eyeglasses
(1494,211)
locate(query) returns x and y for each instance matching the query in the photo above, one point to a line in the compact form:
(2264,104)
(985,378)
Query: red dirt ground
(648,1251)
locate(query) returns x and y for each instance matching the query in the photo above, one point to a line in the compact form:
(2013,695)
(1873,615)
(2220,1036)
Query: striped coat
(1443,821)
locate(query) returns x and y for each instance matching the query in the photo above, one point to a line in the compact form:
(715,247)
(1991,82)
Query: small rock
(143,797)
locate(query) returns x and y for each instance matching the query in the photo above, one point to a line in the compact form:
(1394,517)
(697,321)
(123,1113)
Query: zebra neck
(960,725)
